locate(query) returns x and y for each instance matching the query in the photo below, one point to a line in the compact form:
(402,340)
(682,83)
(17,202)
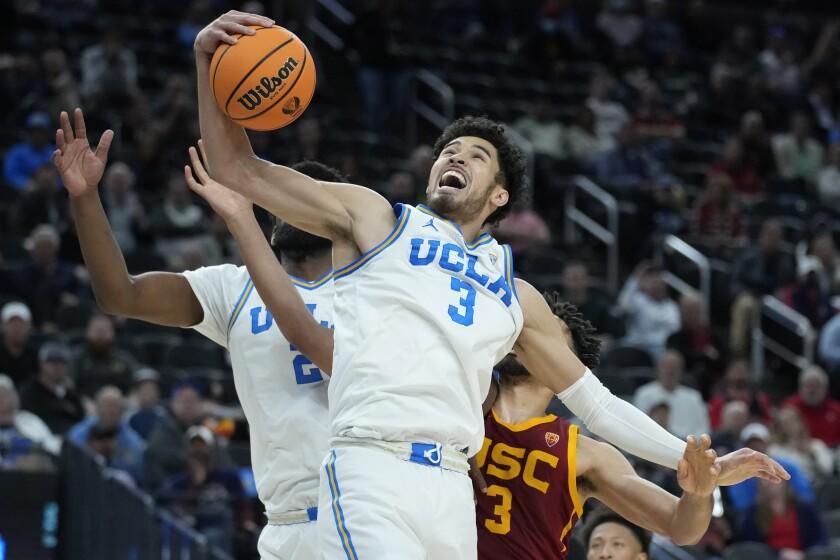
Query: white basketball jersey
(420,321)
(283,394)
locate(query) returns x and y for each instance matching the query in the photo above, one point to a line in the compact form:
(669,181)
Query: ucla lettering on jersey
(420,321)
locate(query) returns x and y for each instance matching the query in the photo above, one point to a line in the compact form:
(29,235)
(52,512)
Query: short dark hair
(511,160)
(292,242)
(585,344)
(604,515)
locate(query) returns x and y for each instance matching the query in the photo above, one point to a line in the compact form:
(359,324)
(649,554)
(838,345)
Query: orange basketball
(265,81)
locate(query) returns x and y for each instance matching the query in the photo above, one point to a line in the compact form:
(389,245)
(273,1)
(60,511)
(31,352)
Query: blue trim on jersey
(508,252)
(338,513)
(311,285)
(240,303)
(482,239)
(364,258)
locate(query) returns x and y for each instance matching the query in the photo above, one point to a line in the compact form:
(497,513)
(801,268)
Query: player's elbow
(686,536)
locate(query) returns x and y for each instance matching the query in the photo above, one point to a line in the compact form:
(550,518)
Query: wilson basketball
(265,81)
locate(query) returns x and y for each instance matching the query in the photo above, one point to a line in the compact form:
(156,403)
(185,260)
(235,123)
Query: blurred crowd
(718,122)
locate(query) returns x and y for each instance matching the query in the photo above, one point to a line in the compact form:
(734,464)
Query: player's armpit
(613,481)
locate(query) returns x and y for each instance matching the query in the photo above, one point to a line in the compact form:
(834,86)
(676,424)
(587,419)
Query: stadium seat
(748,551)
(154,348)
(194,353)
(828,495)
(626,357)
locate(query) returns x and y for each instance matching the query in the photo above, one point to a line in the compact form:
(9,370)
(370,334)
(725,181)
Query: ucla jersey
(421,319)
(283,394)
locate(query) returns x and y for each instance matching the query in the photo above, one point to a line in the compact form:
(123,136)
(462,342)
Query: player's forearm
(102,255)
(227,144)
(690,519)
(279,294)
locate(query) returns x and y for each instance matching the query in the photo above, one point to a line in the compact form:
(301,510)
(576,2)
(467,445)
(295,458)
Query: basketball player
(282,393)
(539,471)
(425,305)
(608,536)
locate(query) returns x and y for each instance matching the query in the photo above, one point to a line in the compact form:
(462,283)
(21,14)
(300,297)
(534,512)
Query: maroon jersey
(531,503)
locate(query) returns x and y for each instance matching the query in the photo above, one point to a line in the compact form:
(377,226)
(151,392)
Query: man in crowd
(18,357)
(51,395)
(820,411)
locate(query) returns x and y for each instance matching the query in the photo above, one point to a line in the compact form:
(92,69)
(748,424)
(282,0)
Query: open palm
(80,167)
(227,203)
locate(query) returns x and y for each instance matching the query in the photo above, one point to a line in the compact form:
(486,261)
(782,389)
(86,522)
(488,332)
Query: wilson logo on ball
(291,106)
(252,98)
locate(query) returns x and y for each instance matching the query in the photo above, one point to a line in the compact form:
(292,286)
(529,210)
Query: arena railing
(528,151)
(673,245)
(576,219)
(783,323)
(338,13)
(104,517)
(439,116)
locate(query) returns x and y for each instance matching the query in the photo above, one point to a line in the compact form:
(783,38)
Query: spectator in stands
(757,149)
(23,159)
(829,347)
(146,409)
(808,295)
(824,250)
(701,348)
(630,168)
(651,315)
(165,455)
(109,70)
(717,219)
(757,273)
(828,179)
(115,441)
(727,438)
(178,217)
(780,63)
(210,494)
(583,140)
(18,355)
(125,210)
(400,188)
(660,33)
(798,155)
(51,395)
(524,230)
(653,120)
(199,14)
(543,130)
(820,411)
(594,304)
(607,535)
(41,203)
(737,386)
(793,441)
(63,91)
(610,115)
(745,495)
(100,362)
(419,164)
(783,521)
(620,24)
(21,432)
(691,416)
(745,180)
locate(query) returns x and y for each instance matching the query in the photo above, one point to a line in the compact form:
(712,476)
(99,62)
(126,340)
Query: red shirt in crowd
(823,421)
(784,531)
(760,409)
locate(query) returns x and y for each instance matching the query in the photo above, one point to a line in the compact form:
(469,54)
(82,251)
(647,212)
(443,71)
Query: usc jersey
(532,502)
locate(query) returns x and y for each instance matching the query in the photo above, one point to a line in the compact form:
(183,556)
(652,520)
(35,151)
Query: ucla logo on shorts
(426,454)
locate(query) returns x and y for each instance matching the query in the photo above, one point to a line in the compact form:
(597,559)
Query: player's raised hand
(226,203)
(224,28)
(745,463)
(697,472)
(80,167)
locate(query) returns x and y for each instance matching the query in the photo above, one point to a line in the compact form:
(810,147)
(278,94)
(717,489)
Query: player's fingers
(705,441)
(191,182)
(55,157)
(710,455)
(79,117)
(251,19)
(225,38)
(59,140)
(682,468)
(198,168)
(64,119)
(236,28)
(104,145)
(203,153)
(690,444)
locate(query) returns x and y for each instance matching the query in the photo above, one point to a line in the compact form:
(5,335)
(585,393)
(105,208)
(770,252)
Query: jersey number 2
(463,314)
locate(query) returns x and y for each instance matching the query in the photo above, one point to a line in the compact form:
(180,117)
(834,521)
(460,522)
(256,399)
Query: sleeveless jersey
(531,502)
(420,321)
(283,395)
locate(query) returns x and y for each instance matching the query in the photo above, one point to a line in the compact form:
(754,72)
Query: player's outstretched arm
(338,212)
(609,477)
(273,284)
(157,297)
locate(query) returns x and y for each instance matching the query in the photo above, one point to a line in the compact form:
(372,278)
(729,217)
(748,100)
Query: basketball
(265,81)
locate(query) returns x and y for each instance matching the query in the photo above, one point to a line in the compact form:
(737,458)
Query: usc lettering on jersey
(531,503)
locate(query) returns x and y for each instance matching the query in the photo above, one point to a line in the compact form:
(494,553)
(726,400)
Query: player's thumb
(682,469)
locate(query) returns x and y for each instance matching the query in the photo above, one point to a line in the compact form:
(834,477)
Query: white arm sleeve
(620,423)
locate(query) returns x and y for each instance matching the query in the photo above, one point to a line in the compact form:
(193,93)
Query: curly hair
(604,515)
(585,344)
(512,174)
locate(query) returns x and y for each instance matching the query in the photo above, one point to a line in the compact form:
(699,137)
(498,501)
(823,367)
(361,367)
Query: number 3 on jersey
(500,525)
(462,314)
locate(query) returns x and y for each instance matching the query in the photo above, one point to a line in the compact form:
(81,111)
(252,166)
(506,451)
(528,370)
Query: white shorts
(289,542)
(374,505)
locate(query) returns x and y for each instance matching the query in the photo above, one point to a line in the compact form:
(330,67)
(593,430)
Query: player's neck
(309,268)
(521,401)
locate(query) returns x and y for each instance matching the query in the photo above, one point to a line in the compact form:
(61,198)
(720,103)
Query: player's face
(613,541)
(462,183)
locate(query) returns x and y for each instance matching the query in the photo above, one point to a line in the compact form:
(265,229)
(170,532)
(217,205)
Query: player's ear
(500,195)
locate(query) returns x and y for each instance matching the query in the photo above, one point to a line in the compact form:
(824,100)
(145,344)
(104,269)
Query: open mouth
(453,179)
